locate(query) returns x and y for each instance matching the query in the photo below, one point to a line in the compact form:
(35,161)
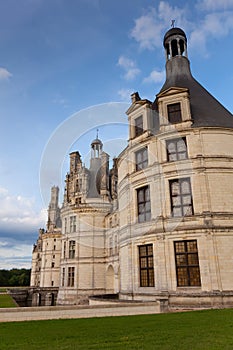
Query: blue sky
(67,67)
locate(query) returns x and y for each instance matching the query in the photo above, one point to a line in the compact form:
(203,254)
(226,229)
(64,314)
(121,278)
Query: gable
(172,91)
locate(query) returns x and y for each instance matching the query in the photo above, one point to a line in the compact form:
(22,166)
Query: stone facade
(159,224)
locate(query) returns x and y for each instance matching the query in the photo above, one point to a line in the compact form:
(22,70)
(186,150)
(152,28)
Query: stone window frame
(71,274)
(143,163)
(187,263)
(64,250)
(170,97)
(72,224)
(181,199)
(143,204)
(177,154)
(72,246)
(146,265)
(174,113)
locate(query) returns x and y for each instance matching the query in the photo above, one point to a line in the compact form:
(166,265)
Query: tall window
(78,185)
(138,126)
(146,265)
(70,276)
(65,225)
(64,251)
(174,113)
(63,276)
(187,264)
(110,246)
(181,197)
(72,223)
(71,249)
(141,158)
(143,204)
(176,149)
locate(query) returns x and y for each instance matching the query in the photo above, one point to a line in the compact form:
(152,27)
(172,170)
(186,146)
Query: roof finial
(97,133)
(173,23)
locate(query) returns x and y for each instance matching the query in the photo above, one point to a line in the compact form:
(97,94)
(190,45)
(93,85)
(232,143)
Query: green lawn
(211,329)
(6,301)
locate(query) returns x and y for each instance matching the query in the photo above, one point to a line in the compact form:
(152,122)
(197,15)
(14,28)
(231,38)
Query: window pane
(138,126)
(172,157)
(182,277)
(171,147)
(181,260)
(175,188)
(192,246)
(176,149)
(187,210)
(150,249)
(143,204)
(176,200)
(144,281)
(187,199)
(182,156)
(192,259)
(194,276)
(150,261)
(151,278)
(177,211)
(142,250)
(174,113)
(181,197)
(146,265)
(143,262)
(187,264)
(180,247)
(185,187)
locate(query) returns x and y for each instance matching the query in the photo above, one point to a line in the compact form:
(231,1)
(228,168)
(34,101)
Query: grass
(6,301)
(198,330)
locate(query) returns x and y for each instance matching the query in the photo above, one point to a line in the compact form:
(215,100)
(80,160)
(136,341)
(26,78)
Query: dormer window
(138,126)
(174,113)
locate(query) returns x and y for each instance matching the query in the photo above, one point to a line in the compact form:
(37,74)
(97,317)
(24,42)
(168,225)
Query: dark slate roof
(174,31)
(205,109)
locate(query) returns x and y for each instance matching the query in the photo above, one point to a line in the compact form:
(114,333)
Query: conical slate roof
(205,109)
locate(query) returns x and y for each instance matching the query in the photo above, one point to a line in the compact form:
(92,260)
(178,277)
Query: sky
(68,67)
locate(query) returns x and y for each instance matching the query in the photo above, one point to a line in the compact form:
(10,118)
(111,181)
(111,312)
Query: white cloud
(213,5)
(18,213)
(125,94)
(14,254)
(214,25)
(155,76)
(150,27)
(4,74)
(211,19)
(61,101)
(131,70)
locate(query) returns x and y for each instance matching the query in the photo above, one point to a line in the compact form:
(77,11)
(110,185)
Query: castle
(159,224)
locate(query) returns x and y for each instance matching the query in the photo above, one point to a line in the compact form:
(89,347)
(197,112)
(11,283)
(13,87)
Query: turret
(54,220)
(195,97)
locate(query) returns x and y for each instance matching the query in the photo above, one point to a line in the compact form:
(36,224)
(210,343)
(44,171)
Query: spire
(96,146)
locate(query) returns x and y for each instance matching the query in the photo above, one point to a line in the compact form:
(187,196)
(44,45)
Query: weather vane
(173,23)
